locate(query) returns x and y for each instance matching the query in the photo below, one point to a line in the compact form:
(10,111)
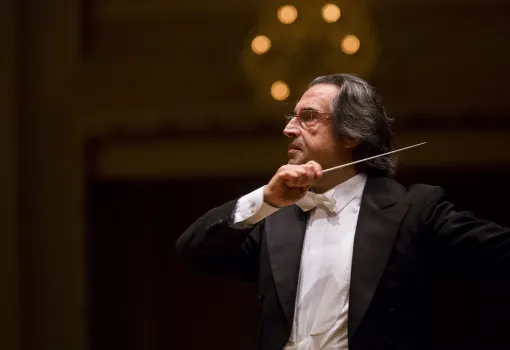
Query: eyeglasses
(305,116)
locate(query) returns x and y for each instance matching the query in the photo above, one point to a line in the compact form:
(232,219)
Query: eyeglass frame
(313,115)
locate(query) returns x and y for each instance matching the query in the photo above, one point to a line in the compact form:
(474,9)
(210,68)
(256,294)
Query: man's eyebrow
(309,109)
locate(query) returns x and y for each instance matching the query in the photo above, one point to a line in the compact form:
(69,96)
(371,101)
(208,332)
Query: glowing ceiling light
(280,91)
(260,44)
(350,44)
(331,13)
(287,14)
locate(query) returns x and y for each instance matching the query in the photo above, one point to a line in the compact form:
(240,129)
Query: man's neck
(334,178)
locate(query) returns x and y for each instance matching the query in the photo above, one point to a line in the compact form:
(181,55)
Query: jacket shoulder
(419,193)
(424,193)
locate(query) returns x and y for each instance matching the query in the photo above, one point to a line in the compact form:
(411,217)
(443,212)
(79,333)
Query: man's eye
(308,116)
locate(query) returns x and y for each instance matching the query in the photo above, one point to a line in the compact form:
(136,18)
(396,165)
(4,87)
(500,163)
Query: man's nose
(292,129)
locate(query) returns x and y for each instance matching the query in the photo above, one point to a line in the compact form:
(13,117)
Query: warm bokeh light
(331,13)
(260,44)
(350,44)
(280,91)
(287,14)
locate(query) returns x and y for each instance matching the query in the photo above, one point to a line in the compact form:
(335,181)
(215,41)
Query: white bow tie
(311,200)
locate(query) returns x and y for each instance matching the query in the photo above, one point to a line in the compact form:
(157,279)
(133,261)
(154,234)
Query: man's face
(312,138)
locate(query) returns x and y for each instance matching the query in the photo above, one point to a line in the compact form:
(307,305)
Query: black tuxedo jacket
(401,234)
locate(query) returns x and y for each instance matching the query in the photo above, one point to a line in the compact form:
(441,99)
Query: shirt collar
(345,192)
(339,196)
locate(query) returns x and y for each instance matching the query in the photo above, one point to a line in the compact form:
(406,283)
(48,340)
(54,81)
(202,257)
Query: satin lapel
(378,223)
(285,232)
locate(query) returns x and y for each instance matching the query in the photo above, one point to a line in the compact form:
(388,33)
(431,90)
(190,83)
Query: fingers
(291,182)
(300,175)
(316,167)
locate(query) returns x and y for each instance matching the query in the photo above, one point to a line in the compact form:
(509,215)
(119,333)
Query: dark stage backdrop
(141,297)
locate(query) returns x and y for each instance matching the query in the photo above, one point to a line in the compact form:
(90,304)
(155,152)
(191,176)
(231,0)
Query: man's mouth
(291,147)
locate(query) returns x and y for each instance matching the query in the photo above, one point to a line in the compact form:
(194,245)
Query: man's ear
(350,143)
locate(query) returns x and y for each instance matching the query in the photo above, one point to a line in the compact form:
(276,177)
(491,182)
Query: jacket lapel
(378,223)
(285,232)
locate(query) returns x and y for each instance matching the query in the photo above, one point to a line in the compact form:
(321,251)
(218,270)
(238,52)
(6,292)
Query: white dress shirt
(322,300)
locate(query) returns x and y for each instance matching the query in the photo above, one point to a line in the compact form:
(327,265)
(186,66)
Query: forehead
(318,97)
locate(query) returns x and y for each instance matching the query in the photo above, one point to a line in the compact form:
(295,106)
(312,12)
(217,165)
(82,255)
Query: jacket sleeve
(463,240)
(215,244)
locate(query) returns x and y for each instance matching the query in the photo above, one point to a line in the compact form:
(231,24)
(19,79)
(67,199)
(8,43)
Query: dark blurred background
(122,121)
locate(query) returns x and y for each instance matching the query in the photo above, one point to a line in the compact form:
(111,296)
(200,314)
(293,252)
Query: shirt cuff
(251,208)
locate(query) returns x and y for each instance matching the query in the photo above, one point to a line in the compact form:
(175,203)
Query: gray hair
(358,113)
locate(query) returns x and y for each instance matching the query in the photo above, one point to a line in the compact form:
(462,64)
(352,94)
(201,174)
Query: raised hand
(290,183)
